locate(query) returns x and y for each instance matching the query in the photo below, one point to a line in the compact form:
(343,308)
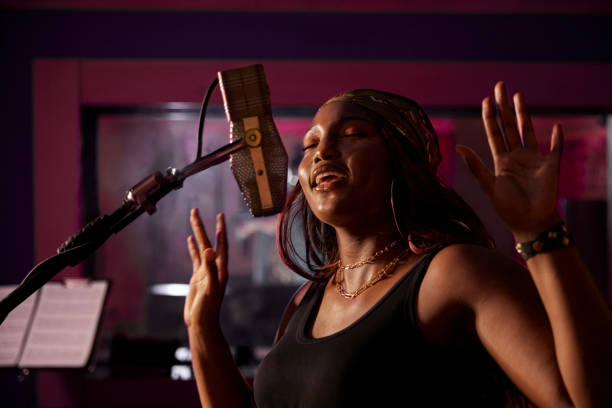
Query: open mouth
(324,179)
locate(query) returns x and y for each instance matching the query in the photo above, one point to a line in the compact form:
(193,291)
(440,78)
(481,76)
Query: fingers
(556,140)
(194,253)
(198,230)
(221,259)
(494,135)
(198,257)
(200,249)
(201,252)
(507,117)
(524,122)
(480,171)
(209,278)
(513,136)
(209,258)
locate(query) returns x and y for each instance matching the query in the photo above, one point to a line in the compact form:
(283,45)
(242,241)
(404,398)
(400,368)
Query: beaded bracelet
(556,237)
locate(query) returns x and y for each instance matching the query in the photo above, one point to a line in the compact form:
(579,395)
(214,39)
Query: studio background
(98,94)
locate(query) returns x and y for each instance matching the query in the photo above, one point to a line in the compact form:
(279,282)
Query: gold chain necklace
(369,259)
(377,277)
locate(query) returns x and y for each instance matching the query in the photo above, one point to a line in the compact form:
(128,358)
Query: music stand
(57,327)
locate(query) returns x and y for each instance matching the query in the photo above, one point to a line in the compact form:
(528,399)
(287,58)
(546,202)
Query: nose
(327,149)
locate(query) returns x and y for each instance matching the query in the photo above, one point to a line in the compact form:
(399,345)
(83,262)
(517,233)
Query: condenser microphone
(260,167)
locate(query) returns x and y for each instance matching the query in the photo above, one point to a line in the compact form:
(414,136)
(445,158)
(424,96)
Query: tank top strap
(412,285)
(305,307)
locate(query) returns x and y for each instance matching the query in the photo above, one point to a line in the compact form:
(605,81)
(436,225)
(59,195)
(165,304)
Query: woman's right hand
(209,278)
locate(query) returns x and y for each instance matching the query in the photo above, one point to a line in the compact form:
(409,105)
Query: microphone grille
(275,160)
(245,92)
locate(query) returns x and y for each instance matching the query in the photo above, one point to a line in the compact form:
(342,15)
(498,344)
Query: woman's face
(345,172)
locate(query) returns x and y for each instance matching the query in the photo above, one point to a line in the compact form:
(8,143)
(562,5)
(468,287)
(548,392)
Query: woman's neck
(354,249)
(355,246)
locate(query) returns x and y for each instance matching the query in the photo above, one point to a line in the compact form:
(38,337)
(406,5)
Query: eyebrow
(344,120)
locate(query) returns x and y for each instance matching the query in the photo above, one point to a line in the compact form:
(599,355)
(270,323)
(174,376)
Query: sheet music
(14,328)
(64,326)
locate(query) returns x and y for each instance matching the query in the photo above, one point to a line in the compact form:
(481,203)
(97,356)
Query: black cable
(211,88)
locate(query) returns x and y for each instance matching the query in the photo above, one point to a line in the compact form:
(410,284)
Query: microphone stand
(140,198)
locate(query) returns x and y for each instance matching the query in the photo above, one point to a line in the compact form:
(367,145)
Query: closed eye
(355,134)
(310,146)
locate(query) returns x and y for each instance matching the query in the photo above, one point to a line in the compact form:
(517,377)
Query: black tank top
(382,359)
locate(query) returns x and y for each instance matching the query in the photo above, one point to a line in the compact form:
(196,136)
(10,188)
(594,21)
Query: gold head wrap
(404,114)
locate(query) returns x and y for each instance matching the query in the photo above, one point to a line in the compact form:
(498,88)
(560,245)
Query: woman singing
(408,303)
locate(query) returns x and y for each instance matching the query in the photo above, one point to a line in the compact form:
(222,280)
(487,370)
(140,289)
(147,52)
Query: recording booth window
(147,263)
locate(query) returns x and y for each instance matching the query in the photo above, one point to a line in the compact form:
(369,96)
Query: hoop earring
(397,226)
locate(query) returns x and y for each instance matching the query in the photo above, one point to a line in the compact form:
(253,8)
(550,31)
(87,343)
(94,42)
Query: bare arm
(523,189)
(219,381)
(581,323)
(476,296)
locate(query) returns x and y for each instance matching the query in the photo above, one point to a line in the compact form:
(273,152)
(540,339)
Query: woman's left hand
(524,186)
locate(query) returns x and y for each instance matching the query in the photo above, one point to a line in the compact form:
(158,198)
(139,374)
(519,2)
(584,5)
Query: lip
(328,185)
(327,167)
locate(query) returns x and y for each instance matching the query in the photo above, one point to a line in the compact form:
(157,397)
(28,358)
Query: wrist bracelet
(556,237)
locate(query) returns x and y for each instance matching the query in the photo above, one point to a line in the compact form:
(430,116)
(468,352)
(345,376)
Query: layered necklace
(338,279)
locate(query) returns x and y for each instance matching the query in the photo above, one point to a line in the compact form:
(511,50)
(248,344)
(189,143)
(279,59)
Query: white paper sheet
(14,328)
(64,325)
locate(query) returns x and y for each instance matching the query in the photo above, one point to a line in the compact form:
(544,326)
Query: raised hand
(524,185)
(209,278)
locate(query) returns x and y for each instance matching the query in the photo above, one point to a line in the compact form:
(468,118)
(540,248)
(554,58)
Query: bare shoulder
(468,255)
(293,304)
(471,268)
(459,278)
